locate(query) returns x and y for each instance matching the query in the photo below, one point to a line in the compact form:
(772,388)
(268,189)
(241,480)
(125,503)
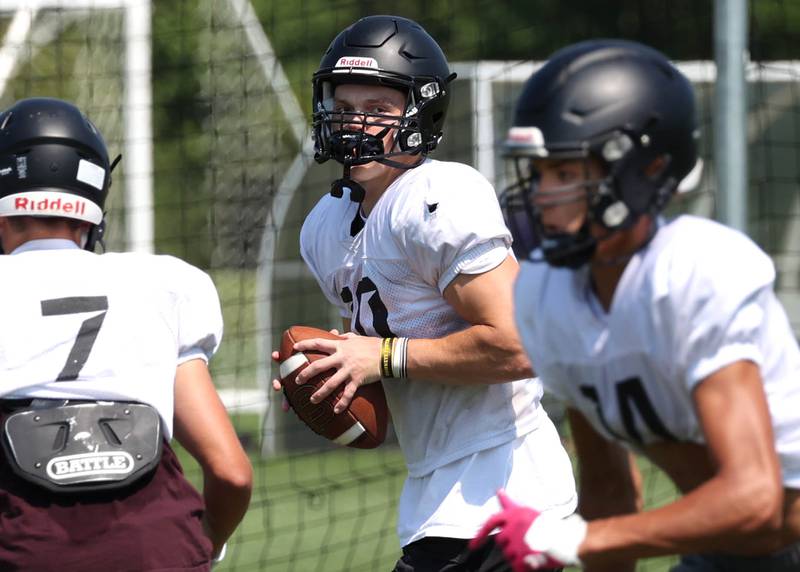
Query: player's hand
(356,360)
(218,546)
(277,384)
(531,540)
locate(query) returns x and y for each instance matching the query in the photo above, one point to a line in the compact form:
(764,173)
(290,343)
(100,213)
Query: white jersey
(434,222)
(78,325)
(697,298)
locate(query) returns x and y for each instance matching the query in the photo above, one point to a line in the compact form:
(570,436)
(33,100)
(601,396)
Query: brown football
(362,425)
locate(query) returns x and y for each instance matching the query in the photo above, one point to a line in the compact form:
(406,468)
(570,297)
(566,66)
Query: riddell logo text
(75,206)
(356,62)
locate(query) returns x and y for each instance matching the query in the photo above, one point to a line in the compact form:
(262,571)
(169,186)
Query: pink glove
(531,540)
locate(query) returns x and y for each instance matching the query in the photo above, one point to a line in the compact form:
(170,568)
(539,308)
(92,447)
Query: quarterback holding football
(415,255)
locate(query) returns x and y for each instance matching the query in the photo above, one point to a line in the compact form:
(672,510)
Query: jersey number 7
(87,334)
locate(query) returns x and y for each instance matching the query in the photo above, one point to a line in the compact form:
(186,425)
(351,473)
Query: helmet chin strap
(94,236)
(357,192)
(624,258)
(567,250)
(573,251)
(397,165)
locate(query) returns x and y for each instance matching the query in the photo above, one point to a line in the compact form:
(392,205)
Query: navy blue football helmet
(620,102)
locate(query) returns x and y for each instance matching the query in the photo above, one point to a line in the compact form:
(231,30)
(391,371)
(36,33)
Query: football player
(663,337)
(103,359)
(415,255)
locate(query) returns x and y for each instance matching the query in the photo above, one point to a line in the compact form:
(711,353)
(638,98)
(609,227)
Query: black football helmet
(53,163)
(389,51)
(617,101)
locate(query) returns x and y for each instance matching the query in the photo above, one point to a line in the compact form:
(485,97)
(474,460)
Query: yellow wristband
(386,357)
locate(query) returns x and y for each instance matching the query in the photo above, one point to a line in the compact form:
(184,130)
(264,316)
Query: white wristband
(399,357)
(558,538)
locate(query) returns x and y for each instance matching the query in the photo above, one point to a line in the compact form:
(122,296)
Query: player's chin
(366,172)
(360,173)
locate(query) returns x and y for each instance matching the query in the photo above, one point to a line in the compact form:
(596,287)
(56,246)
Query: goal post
(33,23)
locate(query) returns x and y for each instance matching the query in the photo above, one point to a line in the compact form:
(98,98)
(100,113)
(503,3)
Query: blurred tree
(774,30)
(181,146)
(467,30)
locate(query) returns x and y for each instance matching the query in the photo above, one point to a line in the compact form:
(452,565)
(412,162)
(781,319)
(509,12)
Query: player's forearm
(609,482)
(477,355)
(608,493)
(603,494)
(603,502)
(627,565)
(721,516)
(226,502)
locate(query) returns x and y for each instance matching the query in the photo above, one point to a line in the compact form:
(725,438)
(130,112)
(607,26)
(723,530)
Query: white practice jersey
(434,222)
(78,325)
(697,298)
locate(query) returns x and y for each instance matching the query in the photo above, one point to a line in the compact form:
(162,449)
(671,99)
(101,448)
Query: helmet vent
(409,56)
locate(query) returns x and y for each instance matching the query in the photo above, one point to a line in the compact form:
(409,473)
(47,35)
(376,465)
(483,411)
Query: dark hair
(21,223)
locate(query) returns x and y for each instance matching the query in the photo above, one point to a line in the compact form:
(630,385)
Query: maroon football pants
(155,524)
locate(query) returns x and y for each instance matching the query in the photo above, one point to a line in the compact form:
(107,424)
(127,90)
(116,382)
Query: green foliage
(234,365)
(774,30)
(181,144)
(299,32)
(489,29)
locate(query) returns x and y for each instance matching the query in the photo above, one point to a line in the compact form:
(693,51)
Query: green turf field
(234,364)
(335,510)
(331,510)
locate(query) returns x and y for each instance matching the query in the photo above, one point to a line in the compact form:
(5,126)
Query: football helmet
(620,102)
(53,163)
(388,51)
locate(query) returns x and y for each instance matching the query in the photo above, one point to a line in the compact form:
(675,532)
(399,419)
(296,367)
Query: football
(362,425)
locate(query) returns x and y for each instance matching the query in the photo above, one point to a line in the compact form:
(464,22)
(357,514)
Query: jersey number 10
(380,315)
